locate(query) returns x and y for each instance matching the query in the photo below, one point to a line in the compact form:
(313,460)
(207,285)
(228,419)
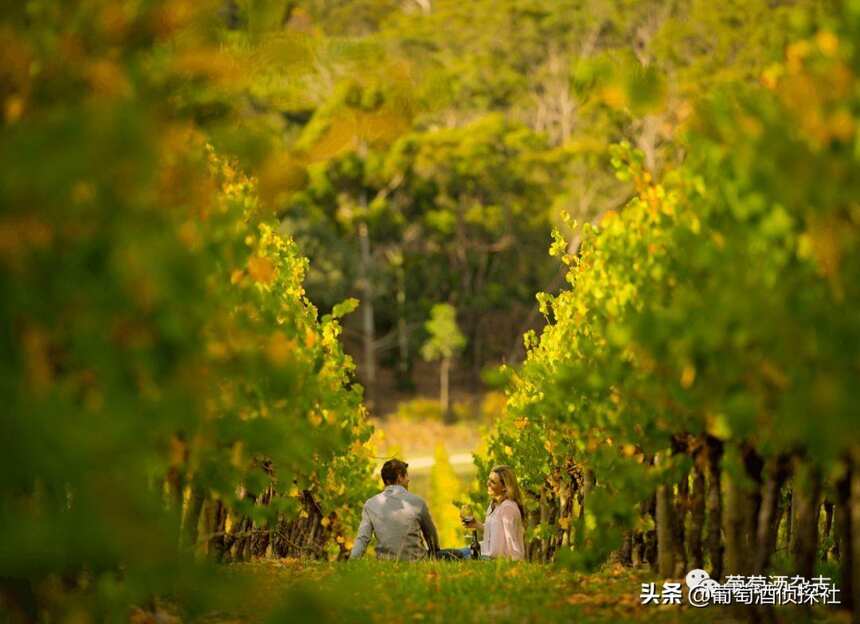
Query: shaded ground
(386,592)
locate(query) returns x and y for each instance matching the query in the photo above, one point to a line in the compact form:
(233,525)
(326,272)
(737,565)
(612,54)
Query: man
(398,518)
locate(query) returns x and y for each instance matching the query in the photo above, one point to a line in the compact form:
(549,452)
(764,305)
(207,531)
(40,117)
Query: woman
(503,524)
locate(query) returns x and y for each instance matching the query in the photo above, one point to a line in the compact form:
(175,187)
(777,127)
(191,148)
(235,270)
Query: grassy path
(462,593)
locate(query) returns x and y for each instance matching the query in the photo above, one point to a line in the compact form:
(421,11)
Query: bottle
(475,546)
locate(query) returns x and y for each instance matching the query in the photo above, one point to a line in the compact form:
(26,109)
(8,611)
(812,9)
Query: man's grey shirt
(399,519)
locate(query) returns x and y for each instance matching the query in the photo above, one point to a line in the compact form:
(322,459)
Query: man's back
(400,520)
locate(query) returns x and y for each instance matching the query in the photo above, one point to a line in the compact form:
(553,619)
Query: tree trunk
(679,516)
(827,536)
(582,499)
(648,507)
(649,548)
(565,502)
(807,491)
(714,506)
(753,467)
(637,552)
(768,522)
(854,586)
(544,522)
(367,322)
(231,15)
(191,517)
(844,536)
(444,399)
(665,541)
(214,518)
(697,512)
(402,334)
(625,553)
(246,527)
(175,479)
(733,526)
(743,499)
(533,547)
(260,538)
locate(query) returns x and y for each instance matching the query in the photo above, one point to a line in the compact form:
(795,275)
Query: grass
(291,591)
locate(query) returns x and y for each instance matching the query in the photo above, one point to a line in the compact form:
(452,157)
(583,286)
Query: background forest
(251,248)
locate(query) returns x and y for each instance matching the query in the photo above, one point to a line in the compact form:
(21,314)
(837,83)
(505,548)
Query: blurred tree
(165,373)
(471,199)
(444,343)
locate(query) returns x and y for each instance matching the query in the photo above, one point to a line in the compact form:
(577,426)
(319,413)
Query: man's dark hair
(392,469)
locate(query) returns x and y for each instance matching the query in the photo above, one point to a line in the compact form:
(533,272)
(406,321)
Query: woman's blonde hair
(512,488)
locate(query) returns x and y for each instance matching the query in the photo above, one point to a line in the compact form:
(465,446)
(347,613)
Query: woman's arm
(474,524)
(512,532)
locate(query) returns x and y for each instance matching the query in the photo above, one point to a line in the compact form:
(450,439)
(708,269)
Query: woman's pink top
(503,532)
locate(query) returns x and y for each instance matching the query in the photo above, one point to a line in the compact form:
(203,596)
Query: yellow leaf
(842,125)
(236,457)
(688,376)
(107,79)
(827,42)
(614,96)
(189,234)
(37,358)
(280,176)
(217,350)
(207,63)
(824,236)
(796,52)
(261,270)
(279,348)
(608,216)
(14,108)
